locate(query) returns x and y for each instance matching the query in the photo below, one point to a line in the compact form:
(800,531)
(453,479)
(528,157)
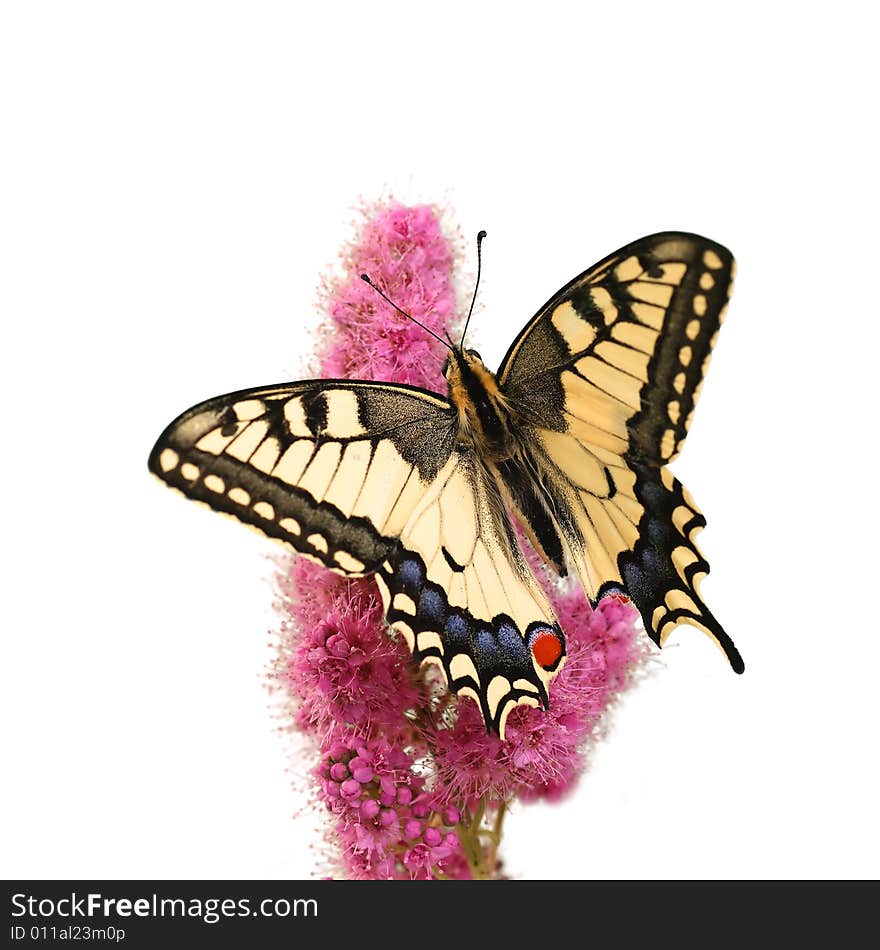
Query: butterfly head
(460,363)
(467,377)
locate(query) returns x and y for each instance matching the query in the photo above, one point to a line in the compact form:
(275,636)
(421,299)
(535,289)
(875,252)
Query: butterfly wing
(332,469)
(606,376)
(460,591)
(365,477)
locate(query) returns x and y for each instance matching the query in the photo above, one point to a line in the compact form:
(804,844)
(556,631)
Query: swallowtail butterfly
(573,436)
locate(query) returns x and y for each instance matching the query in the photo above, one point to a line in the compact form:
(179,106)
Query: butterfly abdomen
(526,496)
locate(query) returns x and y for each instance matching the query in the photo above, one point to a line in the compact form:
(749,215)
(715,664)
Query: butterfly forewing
(332,469)
(620,352)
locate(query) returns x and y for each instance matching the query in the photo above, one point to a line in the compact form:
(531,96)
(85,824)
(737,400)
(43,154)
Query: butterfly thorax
(484,415)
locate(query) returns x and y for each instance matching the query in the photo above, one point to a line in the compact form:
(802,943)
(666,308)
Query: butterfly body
(571,437)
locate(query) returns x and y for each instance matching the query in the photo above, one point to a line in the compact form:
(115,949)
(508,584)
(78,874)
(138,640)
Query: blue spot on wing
(432,606)
(485,650)
(657,532)
(412,575)
(512,646)
(457,630)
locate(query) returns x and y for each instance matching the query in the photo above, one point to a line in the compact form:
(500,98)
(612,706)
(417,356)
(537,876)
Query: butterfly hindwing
(332,469)
(459,590)
(663,570)
(606,376)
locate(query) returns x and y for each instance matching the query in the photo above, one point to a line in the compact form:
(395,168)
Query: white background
(177,176)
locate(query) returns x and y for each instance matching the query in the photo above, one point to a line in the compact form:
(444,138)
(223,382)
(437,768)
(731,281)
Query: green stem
(482,858)
(478,817)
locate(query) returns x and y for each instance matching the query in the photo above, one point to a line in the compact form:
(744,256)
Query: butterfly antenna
(366,279)
(480,237)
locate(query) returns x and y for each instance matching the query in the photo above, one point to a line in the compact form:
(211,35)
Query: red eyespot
(546,649)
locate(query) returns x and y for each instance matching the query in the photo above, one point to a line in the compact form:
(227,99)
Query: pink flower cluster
(387,824)
(414,785)
(405,253)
